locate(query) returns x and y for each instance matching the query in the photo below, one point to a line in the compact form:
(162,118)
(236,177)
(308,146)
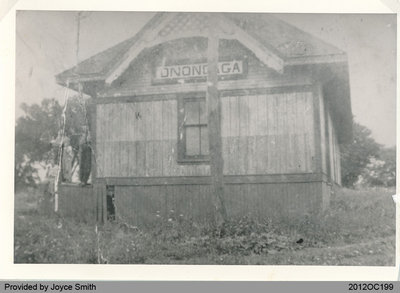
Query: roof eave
(66,80)
(318,59)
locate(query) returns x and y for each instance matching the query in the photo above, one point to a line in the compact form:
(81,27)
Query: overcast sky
(46,45)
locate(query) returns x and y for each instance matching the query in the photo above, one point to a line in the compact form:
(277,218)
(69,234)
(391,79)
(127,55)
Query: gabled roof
(279,38)
(289,41)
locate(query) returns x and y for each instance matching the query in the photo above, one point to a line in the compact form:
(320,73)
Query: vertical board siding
(268,134)
(140,140)
(323,135)
(143,205)
(262,134)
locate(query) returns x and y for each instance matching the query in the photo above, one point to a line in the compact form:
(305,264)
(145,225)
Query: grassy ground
(358,229)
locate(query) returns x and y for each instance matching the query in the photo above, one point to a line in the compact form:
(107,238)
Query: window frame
(183,158)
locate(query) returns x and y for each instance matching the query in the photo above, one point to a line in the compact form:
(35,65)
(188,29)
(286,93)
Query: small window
(193,132)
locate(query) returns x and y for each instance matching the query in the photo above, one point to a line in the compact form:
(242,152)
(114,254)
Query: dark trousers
(85,163)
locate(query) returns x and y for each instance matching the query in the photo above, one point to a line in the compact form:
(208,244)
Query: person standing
(85,159)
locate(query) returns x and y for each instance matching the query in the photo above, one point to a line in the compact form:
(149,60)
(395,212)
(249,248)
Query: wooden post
(92,121)
(214,124)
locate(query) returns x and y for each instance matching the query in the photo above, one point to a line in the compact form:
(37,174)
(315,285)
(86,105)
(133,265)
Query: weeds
(355,217)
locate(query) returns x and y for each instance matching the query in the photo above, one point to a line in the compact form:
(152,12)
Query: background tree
(358,154)
(380,171)
(388,172)
(35,134)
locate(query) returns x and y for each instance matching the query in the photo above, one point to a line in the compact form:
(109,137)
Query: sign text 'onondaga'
(198,70)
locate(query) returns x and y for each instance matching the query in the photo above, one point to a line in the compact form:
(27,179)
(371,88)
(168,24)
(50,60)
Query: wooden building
(285,111)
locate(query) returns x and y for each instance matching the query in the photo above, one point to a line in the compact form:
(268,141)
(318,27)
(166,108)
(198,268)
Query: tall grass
(354,217)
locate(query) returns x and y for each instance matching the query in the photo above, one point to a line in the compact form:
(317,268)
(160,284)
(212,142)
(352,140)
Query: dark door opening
(110,202)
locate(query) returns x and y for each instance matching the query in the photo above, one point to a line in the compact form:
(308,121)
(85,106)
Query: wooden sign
(199,70)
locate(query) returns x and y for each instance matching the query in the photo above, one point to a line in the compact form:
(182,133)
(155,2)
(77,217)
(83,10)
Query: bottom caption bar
(198,286)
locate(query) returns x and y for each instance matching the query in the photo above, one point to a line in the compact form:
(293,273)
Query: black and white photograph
(205,138)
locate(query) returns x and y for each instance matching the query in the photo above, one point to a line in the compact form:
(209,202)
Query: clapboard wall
(267,133)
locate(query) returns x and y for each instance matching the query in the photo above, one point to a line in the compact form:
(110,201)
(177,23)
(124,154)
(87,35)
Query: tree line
(38,137)
(366,163)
